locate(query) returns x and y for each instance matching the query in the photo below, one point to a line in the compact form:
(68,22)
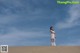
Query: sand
(45,49)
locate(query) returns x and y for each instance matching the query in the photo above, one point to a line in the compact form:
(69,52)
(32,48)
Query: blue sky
(27,22)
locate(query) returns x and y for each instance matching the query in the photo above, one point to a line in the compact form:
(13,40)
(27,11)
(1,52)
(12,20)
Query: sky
(27,23)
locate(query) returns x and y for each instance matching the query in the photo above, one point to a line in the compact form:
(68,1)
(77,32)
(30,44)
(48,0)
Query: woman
(52,36)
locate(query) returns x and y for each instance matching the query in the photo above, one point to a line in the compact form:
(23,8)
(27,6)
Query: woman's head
(51,28)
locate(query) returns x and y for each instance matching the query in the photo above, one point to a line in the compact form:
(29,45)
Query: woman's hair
(51,28)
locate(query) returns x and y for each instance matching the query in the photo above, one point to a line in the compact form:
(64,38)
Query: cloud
(18,10)
(7,19)
(73,18)
(23,6)
(13,32)
(15,36)
(71,42)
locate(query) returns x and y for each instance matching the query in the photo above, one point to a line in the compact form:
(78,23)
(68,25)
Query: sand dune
(45,49)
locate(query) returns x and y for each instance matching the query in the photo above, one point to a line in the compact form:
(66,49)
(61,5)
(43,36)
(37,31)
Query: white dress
(53,37)
(52,34)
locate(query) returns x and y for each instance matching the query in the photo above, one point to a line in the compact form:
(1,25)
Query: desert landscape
(44,49)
